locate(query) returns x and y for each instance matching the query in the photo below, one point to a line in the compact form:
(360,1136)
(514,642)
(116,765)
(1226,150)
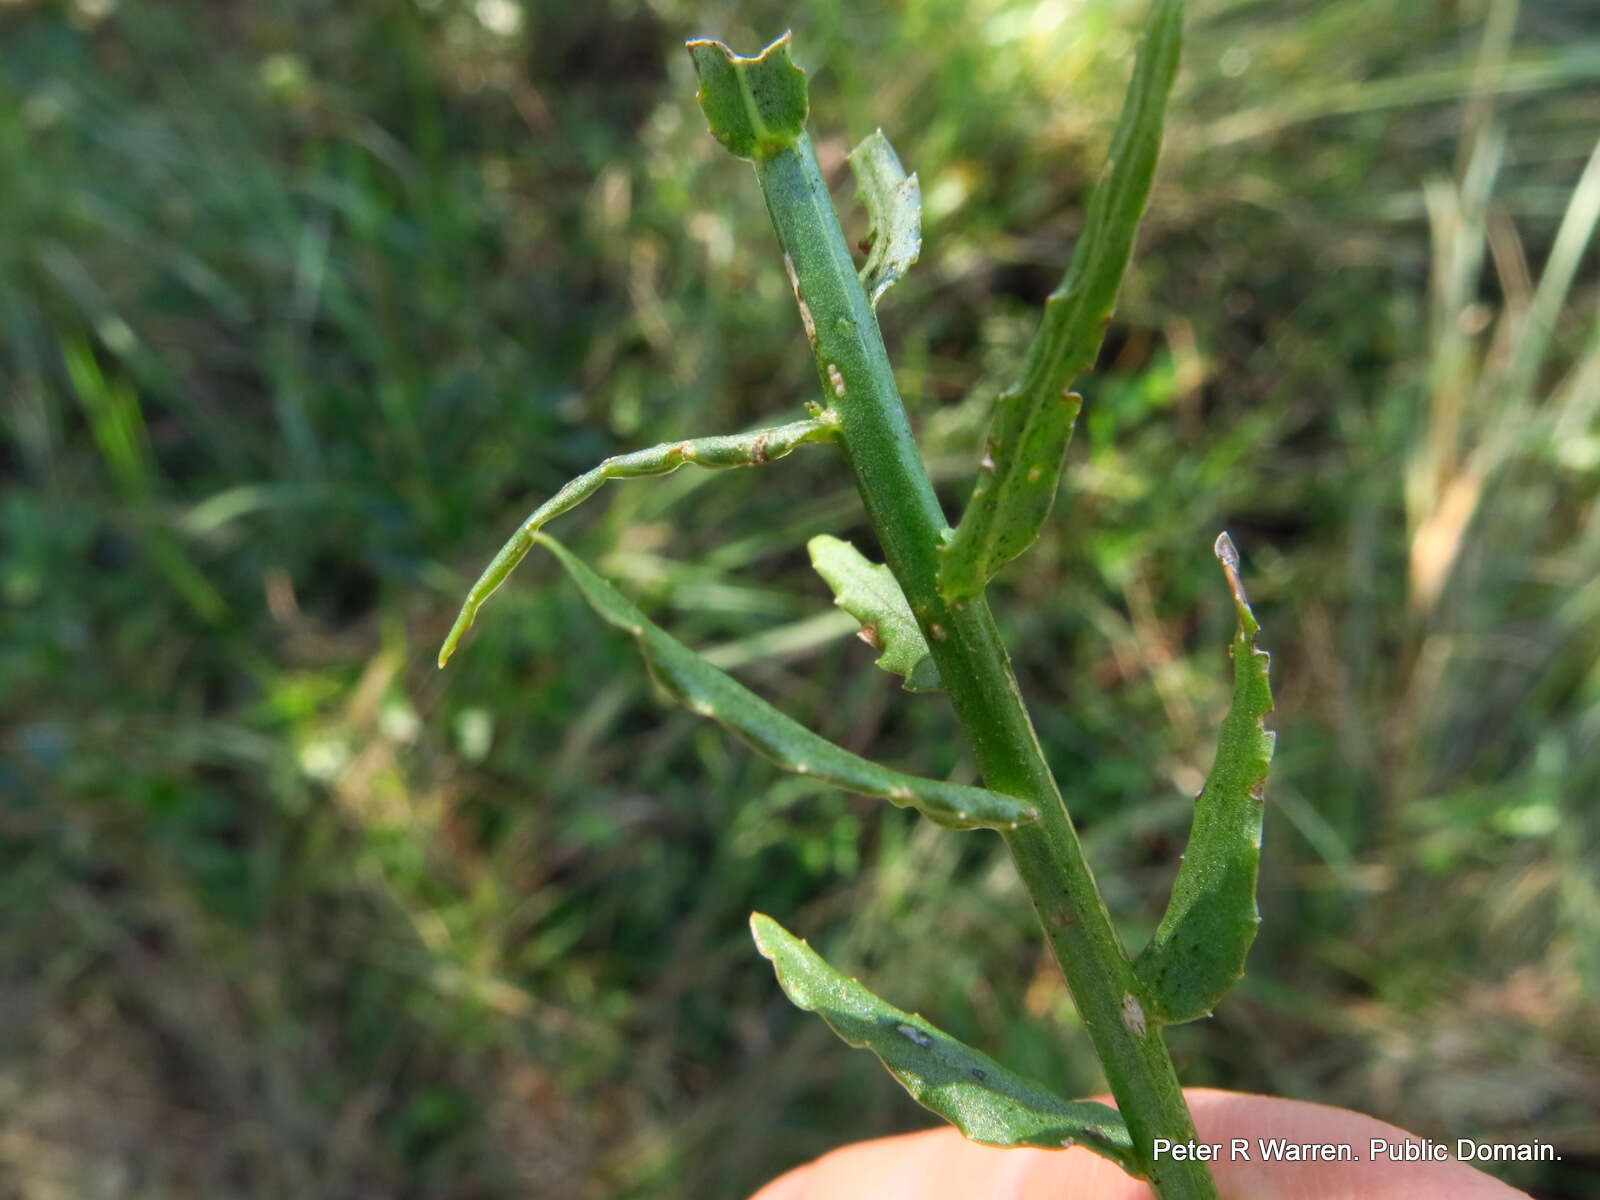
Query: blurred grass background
(302,306)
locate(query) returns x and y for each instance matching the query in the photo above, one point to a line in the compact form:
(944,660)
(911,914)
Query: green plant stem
(894,485)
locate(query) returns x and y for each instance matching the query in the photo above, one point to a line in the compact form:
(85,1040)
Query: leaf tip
(762,929)
(1228,555)
(453,638)
(756,106)
(708,53)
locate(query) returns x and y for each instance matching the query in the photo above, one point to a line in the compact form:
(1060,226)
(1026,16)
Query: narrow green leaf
(893,201)
(756,106)
(1033,419)
(735,450)
(702,688)
(871,594)
(1199,949)
(981,1098)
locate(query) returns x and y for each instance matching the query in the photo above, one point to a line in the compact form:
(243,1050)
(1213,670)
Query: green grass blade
(870,593)
(115,417)
(116,421)
(736,450)
(893,202)
(756,106)
(981,1098)
(704,689)
(1199,949)
(1550,297)
(1033,419)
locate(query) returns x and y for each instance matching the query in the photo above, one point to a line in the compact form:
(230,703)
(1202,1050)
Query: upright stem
(854,367)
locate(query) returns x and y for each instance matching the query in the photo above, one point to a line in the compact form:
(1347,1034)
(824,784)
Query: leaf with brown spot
(735,450)
(1034,418)
(980,1097)
(871,594)
(704,689)
(893,201)
(1198,951)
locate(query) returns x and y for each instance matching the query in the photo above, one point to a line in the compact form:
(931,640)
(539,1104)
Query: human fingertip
(791,1185)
